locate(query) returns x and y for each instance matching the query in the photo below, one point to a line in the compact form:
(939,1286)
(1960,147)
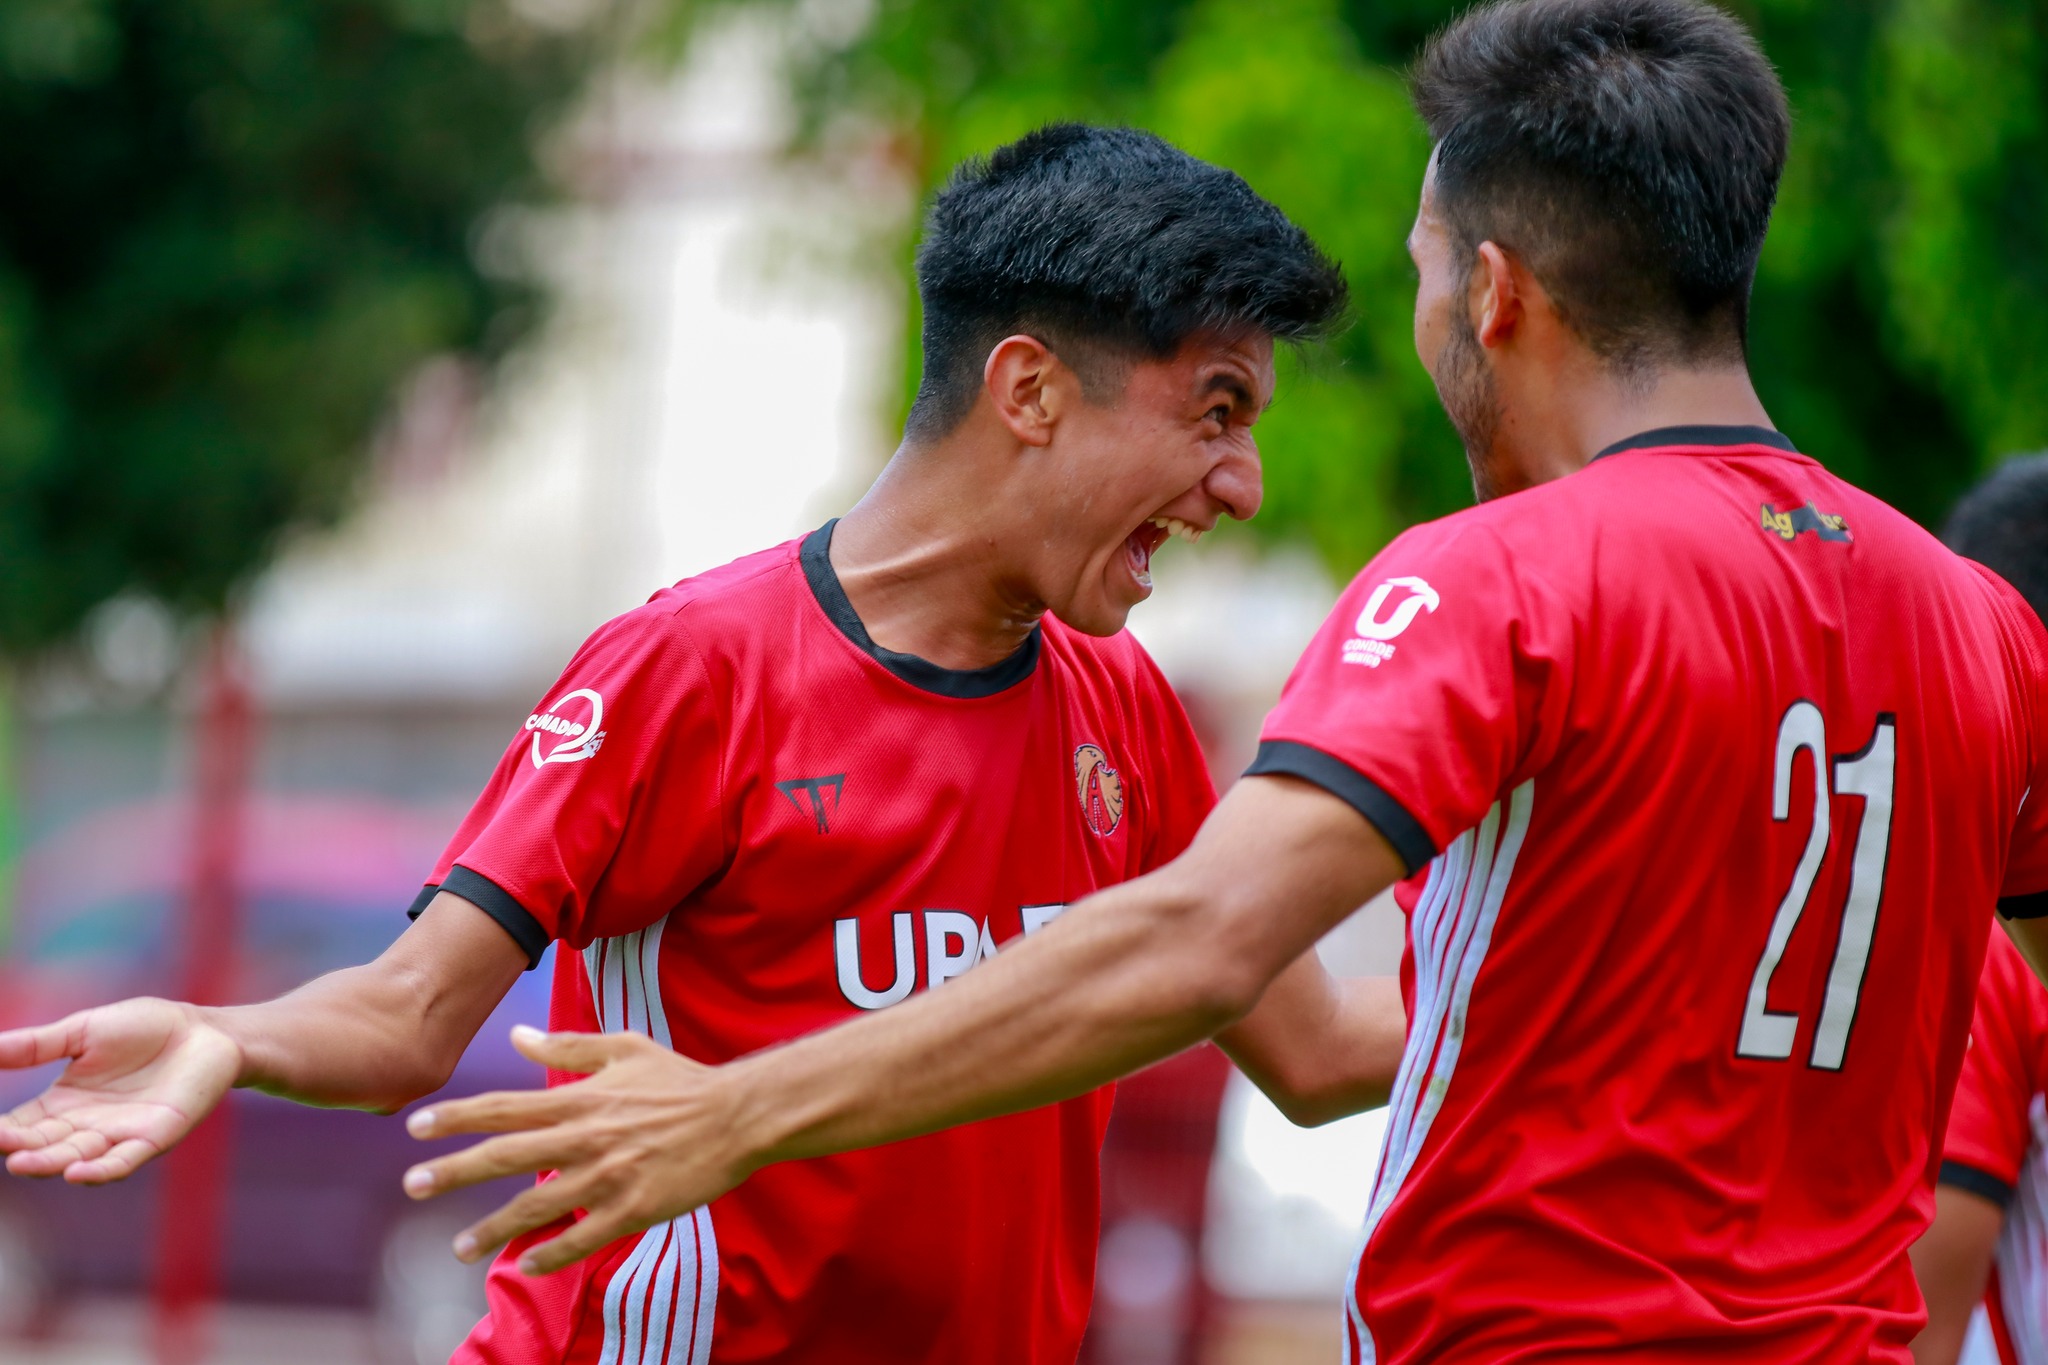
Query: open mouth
(1141,544)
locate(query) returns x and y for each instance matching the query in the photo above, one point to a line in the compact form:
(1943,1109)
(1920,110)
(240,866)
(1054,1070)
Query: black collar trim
(1703,436)
(919,673)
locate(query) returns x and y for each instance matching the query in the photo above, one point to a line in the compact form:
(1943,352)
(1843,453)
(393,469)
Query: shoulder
(681,630)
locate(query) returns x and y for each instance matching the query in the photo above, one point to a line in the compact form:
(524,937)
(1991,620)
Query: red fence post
(192,1215)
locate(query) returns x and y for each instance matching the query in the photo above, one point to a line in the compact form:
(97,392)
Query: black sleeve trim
(1980,1183)
(2031,906)
(495,901)
(1353,787)
(424,899)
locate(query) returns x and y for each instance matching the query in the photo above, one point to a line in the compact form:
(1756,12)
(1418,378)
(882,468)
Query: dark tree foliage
(227,229)
(1897,323)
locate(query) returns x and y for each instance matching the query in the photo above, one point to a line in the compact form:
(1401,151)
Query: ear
(1029,387)
(1499,295)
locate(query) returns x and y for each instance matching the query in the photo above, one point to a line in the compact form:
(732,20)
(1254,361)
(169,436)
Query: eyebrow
(1230,383)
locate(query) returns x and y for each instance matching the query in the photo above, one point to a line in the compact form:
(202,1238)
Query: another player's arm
(1321,1046)
(1125,977)
(1952,1261)
(143,1072)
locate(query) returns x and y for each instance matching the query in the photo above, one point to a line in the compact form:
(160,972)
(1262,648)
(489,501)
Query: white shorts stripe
(662,1300)
(1450,933)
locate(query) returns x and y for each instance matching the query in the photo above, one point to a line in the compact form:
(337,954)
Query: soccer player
(1706,770)
(1988,1243)
(833,774)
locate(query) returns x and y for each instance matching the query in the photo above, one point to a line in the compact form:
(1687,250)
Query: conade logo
(1417,597)
(576,718)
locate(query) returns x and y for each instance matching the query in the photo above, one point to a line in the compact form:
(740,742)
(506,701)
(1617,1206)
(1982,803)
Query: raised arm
(143,1072)
(1125,977)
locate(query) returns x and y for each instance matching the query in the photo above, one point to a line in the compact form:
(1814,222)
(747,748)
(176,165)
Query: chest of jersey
(886,841)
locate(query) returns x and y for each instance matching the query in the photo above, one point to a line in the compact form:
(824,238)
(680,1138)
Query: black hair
(1107,244)
(1628,151)
(2002,523)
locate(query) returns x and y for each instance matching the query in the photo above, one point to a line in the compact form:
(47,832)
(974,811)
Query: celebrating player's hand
(142,1073)
(639,1141)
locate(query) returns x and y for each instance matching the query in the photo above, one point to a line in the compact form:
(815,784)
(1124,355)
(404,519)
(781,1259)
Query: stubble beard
(1465,386)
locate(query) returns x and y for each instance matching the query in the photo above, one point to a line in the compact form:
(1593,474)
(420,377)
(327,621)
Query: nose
(1238,481)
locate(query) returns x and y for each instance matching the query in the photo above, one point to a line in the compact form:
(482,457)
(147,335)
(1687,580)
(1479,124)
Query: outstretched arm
(1321,1046)
(1123,978)
(142,1073)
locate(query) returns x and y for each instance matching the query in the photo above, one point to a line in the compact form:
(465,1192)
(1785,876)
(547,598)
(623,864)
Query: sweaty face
(1173,455)
(1446,343)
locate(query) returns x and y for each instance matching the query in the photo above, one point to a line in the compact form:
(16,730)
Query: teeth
(1175,526)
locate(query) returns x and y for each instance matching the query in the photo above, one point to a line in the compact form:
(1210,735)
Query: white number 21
(1868,774)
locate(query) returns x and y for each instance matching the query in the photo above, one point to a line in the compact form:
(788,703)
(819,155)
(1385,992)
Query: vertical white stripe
(1445,880)
(618,1311)
(1426,1033)
(678,1247)
(707,1289)
(660,1304)
(650,971)
(1451,936)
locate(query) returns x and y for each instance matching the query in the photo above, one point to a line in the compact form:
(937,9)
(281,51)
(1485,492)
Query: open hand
(142,1074)
(646,1137)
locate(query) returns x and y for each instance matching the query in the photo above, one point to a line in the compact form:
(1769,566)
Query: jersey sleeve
(608,807)
(1988,1127)
(1442,670)
(1178,790)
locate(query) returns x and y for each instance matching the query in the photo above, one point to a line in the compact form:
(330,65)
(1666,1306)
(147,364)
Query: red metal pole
(191,1216)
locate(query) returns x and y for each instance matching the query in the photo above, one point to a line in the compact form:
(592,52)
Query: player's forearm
(356,1039)
(1122,979)
(1125,977)
(1322,1047)
(383,1034)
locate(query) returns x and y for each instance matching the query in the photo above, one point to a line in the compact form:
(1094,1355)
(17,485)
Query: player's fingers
(39,1046)
(57,1155)
(498,1111)
(514,1154)
(583,1238)
(119,1162)
(20,1128)
(582,1053)
(535,1207)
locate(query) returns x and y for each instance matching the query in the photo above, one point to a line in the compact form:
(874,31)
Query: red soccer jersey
(744,821)
(1998,1145)
(1714,764)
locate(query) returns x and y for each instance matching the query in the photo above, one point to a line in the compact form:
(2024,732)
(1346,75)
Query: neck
(1564,425)
(924,565)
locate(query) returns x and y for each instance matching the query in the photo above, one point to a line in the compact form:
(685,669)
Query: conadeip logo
(573,724)
(1391,609)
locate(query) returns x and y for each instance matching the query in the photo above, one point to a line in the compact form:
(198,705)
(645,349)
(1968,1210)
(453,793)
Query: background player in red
(1712,767)
(830,775)
(1988,1243)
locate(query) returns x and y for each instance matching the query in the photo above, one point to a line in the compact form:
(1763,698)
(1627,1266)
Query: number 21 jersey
(1712,769)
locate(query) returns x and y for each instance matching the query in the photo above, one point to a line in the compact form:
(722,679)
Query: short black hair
(1106,244)
(2002,523)
(1628,151)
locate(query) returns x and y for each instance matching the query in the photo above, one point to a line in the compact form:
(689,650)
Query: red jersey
(1998,1145)
(1714,762)
(743,821)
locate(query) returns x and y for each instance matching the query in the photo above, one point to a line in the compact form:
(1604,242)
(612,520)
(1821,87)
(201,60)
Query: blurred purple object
(315,1214)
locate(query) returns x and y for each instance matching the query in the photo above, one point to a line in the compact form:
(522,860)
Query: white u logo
(1420,597)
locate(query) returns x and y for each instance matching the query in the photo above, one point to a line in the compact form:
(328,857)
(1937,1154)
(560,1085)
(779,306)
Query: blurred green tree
(227,229)
(1898,304)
